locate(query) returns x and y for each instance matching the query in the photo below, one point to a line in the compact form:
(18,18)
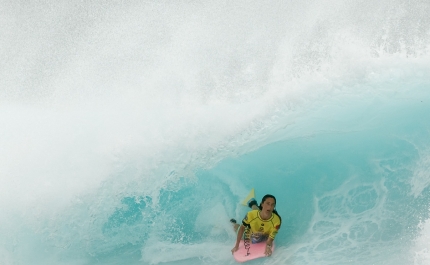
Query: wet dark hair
(264,199)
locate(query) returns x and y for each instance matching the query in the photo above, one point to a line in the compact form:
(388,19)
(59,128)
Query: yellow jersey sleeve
(276,225)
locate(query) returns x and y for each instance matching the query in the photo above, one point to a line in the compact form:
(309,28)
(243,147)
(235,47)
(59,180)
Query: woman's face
(268,205)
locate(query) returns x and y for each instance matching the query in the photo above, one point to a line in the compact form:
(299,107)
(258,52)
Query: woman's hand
(234,249)
(268,251)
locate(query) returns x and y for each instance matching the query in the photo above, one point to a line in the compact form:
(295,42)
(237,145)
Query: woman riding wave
(263,223)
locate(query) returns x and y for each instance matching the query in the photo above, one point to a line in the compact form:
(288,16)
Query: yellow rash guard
(261,229)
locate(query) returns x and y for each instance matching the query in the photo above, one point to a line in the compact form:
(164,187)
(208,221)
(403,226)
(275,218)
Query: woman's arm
(268,250)
(239,237)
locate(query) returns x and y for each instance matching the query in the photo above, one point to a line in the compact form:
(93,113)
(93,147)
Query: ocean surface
(131,130)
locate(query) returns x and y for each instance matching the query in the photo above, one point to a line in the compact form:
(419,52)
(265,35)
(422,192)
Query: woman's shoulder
(253,213)
(275,218)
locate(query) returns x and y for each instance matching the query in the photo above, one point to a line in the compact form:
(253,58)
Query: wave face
(130,131)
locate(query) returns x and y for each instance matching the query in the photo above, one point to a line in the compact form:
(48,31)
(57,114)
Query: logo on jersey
(277,227)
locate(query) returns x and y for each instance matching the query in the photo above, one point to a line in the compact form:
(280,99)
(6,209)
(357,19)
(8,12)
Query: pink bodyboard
(255,251)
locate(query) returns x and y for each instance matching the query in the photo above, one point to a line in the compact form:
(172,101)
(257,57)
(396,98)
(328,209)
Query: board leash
(247,240)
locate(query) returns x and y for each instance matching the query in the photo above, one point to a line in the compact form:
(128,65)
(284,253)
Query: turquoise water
(130,132)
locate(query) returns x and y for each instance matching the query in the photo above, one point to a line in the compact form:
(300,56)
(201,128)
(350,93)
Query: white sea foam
(421,250)
(420,181)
